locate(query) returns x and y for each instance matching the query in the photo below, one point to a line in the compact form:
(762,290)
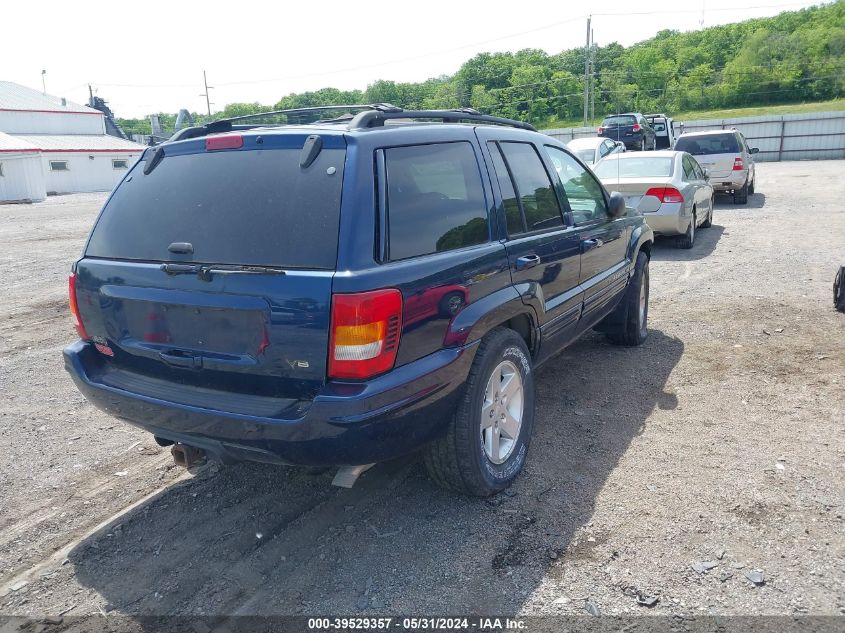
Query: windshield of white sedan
(634,167)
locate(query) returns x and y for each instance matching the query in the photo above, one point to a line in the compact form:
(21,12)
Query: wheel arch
(503,308)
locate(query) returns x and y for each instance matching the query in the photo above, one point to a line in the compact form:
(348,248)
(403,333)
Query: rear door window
(537,197)
(689,168)
(513,212)
(251,207)
(435,199)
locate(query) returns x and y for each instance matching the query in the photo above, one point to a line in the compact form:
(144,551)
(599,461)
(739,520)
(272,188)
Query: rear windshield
(715,144)
(587,155)
(253,207)
(634,167)
(619,120)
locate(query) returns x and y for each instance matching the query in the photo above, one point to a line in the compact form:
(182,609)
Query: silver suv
(726,158)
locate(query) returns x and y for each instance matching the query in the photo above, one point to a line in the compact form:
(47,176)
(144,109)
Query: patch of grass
(727,113)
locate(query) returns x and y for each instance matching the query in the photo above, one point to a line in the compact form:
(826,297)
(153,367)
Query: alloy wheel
(502,412)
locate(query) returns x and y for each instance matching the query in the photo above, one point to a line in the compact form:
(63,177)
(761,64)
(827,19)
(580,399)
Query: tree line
(794,57)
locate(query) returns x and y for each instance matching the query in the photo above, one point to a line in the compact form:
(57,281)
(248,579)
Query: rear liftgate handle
(177,359)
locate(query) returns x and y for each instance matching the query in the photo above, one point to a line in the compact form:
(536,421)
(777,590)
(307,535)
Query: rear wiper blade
(205,271)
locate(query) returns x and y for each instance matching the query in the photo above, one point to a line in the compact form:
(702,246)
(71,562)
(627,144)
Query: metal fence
(811,136)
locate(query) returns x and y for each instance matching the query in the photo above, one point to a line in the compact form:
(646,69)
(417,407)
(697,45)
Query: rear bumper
(729,182)
(346,423)
(670,219)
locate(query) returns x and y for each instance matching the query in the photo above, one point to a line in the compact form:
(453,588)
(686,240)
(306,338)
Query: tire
(709,221)
(628,323)
(752,185)
(461,459)
(687,240)
(741,195)
(839,290)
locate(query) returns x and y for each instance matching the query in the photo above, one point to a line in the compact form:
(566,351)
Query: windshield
(635,167)
(256,207)
(715,144)
(587,155)
(619,120)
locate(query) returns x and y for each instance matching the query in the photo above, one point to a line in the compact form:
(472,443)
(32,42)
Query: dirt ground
(671,471)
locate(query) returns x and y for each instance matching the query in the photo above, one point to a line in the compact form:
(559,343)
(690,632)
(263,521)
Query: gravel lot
(721,441)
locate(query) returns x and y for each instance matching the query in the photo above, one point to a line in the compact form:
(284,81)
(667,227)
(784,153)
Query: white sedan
(592,149)
(669,188)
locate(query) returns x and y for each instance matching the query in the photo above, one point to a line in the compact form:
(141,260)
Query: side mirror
(753,150)
(616,208)
(706,174)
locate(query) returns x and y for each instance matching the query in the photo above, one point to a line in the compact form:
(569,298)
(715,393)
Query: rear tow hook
(187,456)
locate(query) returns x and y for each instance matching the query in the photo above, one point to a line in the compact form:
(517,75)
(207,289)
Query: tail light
(231,141)
(635,127)
(74,308)
(364,337)
(601,130)
(739,164)
(665,194)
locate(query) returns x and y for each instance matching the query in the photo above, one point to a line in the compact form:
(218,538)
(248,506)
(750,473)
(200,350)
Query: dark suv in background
(348,291)
(630,128)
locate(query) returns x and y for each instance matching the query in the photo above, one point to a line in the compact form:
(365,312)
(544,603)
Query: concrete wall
(23,178)
(28,122)
(811,136)
(86,171)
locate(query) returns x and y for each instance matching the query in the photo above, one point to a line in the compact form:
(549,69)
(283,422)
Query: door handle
(588,245)
(527,261)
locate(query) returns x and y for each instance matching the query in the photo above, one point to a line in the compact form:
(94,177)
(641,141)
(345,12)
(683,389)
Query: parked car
(230,300)
(668,187)
(664,130)
(592,149)
(726,157)
(630,128)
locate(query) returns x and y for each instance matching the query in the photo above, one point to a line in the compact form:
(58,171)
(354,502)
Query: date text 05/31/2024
(415,624)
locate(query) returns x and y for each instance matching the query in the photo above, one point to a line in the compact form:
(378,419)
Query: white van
(664,128)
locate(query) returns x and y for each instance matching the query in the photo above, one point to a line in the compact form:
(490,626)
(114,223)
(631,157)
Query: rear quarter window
(435,199)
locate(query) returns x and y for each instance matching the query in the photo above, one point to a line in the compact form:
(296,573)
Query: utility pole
(592,75)
(44,81)
(587,73)
(205,94)
(90,96)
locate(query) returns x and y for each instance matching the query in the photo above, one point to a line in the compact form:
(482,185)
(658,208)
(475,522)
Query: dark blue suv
(351,290)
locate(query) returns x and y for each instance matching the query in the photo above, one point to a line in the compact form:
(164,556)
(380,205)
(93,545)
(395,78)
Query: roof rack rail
(373,115)
(376,118)
(227,125)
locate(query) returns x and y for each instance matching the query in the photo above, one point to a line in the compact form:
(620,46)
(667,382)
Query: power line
(455,49)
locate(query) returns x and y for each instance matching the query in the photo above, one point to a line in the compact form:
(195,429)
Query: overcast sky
(145,57)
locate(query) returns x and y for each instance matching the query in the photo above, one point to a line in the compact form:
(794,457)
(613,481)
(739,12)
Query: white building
(50,145)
